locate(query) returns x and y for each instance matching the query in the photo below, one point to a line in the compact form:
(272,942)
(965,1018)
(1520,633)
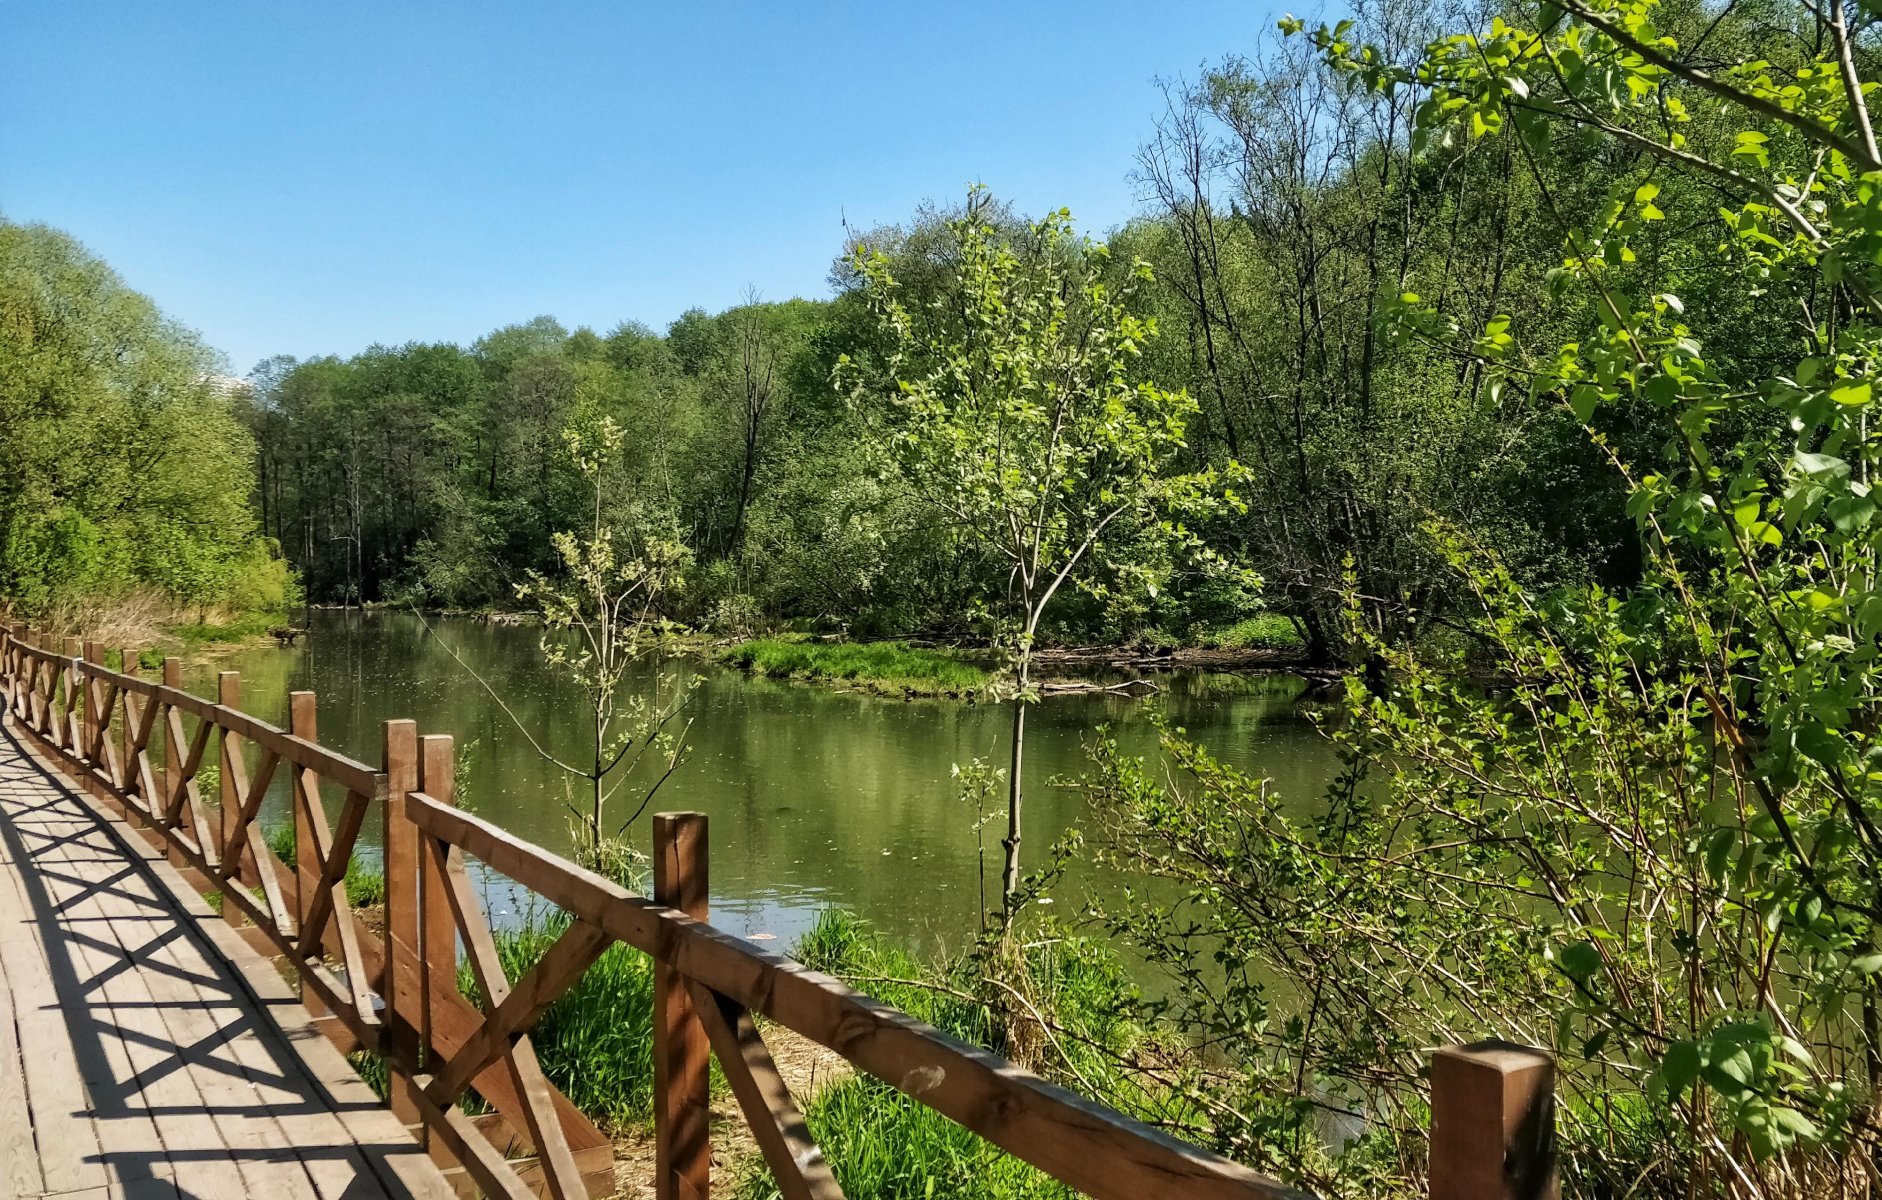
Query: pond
(816,796)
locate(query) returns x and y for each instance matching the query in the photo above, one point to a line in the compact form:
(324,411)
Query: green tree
(597,610)
(1015,410)
(1660,828)
(123,465)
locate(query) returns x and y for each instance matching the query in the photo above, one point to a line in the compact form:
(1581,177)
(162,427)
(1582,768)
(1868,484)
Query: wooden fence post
(1493,1123)
(303,723)
(228,695)
(172,756)
(94,720)
(401,870)
(62,713)
(127,665)
(437,931)
(681,1053)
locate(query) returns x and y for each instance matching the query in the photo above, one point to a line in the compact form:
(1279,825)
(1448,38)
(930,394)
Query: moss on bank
(893,668)
(1269,631)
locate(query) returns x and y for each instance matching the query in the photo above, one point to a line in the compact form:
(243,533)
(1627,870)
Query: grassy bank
(881,1144)
(1269,631)
(892,668)
(197,637)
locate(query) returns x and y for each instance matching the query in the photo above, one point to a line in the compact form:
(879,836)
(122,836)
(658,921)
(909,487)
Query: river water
(816,796)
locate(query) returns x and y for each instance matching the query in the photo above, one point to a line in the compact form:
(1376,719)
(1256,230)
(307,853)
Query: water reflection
(817,796)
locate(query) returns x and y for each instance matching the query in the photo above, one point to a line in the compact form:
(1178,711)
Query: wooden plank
(1095,1149)
(115,942)
(66,1137)
(280,1131)
(128,1145)
(19,1156)
(386,1147)
(795,1159)
(378,1146)
(682,1074)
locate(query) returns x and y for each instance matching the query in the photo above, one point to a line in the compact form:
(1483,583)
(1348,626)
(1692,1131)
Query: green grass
(596,1042)
(891,667)
(1269,631)
(196,635)
(883,1145)
(365,886)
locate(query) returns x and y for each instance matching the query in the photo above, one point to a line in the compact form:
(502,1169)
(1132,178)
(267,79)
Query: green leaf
(1582,401)
(1579,961)
(1680,1067)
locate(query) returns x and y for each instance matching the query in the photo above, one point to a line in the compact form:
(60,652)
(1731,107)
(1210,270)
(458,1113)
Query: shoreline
(921,668)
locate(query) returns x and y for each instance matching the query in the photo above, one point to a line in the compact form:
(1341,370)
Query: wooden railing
(398,995)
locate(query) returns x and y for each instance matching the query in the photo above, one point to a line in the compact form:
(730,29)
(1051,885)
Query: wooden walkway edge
(146,1050)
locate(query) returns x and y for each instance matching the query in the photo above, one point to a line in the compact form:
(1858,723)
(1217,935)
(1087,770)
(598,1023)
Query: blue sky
(312,178)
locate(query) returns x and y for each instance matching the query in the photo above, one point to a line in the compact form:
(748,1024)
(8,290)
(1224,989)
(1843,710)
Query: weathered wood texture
(682,1066)
(1493,1123)
(136,1054)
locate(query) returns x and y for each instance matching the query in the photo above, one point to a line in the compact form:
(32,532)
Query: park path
(146,1050)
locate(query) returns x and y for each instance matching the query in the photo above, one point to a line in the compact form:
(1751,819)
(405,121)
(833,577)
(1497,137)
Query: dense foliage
(1650,843)
(124,466)
(433,473)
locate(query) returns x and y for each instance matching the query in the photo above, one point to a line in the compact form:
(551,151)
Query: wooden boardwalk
(146,1050)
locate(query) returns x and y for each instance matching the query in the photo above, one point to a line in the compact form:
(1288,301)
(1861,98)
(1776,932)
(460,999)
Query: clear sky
(310,178)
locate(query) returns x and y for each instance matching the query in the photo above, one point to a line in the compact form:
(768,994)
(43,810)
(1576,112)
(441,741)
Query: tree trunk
(1009,875)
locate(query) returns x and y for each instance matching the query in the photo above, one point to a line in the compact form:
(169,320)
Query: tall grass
(596,1042)
(892,667)
(883,1145)
(365,885)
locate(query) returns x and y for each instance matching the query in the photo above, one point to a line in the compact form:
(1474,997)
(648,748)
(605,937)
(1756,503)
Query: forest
(1519,358)
(1282,216)
(126,463)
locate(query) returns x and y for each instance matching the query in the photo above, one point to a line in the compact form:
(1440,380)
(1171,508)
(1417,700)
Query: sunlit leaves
(1758,521)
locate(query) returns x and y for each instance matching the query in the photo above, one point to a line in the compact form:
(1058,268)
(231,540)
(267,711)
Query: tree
(1661,827)
(1014,409)
(124,467)
(597,610)
(757,371)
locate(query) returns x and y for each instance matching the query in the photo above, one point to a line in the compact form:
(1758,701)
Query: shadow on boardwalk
(144,1052)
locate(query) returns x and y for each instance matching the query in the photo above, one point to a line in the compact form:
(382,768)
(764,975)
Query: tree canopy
(124,463)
